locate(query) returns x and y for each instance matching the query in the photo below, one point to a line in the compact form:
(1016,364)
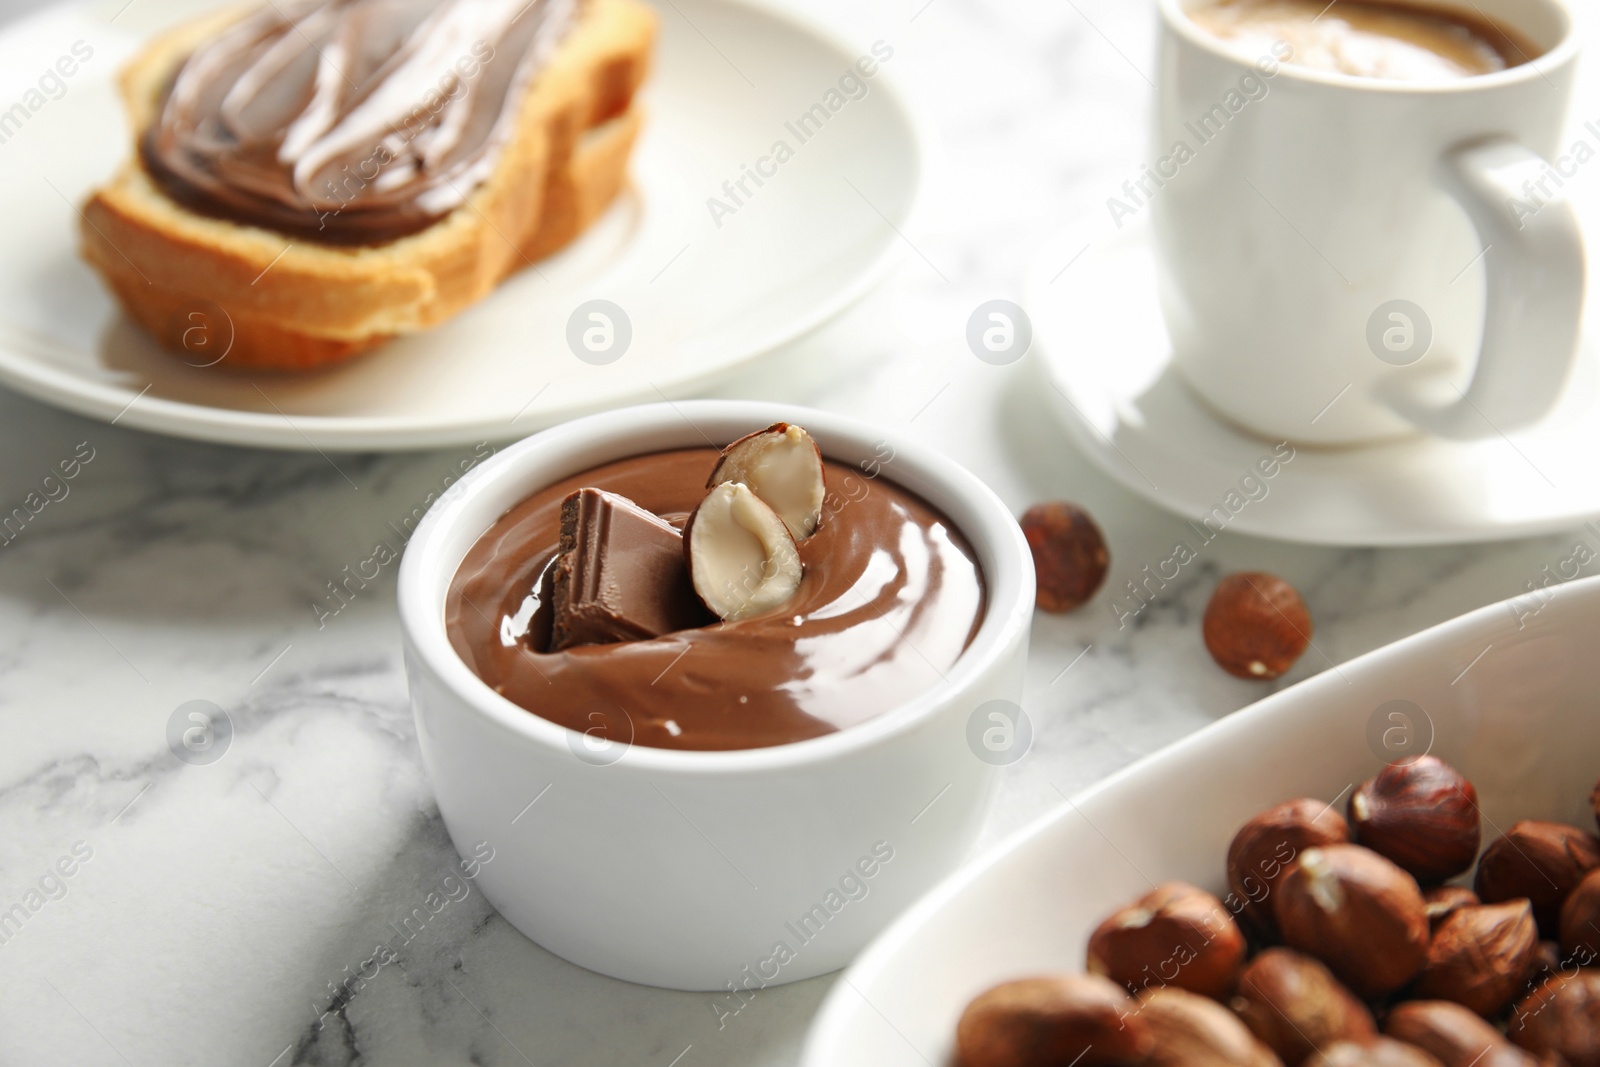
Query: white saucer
(701,299)
(1099,332)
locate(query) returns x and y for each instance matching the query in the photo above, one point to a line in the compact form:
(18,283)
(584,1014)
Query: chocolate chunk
(621,575)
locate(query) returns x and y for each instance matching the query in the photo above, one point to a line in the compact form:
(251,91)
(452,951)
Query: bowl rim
(427,568)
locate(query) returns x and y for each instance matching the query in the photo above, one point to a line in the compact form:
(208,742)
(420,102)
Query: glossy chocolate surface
(890,600)
(350,122)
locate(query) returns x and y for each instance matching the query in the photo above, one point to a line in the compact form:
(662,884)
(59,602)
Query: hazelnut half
(1453,1035)
(1543,861)
(1176,935)
(1422,814)
(1443,900)
(1191,1031)
(1358,913)
(1070,557)
(742,558)
(1561,1016)
(1074,1018)
(1580,918)
(1256,626)
(1295,1005)
(1481,957)
(783,466)
(1268,845)
(1378,1052)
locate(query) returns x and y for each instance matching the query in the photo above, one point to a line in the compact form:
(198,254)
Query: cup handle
(1533,318)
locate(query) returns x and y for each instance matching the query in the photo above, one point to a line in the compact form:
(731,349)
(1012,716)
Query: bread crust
(290,304)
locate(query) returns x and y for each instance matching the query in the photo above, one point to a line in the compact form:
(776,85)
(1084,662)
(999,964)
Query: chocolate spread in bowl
(891,598)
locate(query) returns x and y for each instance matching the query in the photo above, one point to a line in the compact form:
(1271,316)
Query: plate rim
(119,405)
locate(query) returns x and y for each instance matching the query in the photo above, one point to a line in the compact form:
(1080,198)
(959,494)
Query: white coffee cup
(1349,259)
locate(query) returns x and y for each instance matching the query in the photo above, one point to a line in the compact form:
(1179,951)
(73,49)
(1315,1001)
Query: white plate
(1513,708)
(1099,331)
(701,298)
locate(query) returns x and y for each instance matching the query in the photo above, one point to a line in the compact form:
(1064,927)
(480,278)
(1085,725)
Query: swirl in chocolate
(890,600)
(350,122)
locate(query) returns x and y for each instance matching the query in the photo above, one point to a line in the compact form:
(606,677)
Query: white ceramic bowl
(1510,695)
(689,869)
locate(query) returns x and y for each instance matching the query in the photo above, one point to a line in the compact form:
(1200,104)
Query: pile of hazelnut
(1341,942)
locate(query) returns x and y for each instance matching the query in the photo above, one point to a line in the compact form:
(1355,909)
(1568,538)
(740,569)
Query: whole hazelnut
(1191,1031)
(1580,918)
(1543,861)
(1176,935)
(1453,1035)
(1256,626)
(1378,1052)
(1070,557)
(1594,802)
(1422,814)
(1358,913)
(1294,1005)
(1481,957)
(1268,845)
(1561,1016)
(1443,900)
(1061,1019)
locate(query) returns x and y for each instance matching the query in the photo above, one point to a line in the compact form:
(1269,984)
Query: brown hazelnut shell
(1256,626)
(1053,1019)
(1267,846)
(1070,558)
(1453,1035)
(1481,957)
(1176,935)
(1561,1017)
(1443,900)
(1377,1052)
(1358,913)
(1580,919)
(1548,961)
(1422,814)
(1294,1005)
(1194,1031)
(1543,861)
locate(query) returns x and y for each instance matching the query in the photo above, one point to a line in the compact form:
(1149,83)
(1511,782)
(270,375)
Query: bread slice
(293,305)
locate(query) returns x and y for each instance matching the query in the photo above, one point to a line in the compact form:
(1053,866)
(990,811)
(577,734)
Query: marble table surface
(214,913)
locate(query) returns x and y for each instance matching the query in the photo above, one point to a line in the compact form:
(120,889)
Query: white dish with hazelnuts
(1394,862)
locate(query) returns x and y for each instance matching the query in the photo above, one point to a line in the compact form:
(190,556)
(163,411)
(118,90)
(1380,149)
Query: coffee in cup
(1369,39)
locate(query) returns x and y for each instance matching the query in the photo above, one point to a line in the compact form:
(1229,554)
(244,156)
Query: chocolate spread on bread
(350,122)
